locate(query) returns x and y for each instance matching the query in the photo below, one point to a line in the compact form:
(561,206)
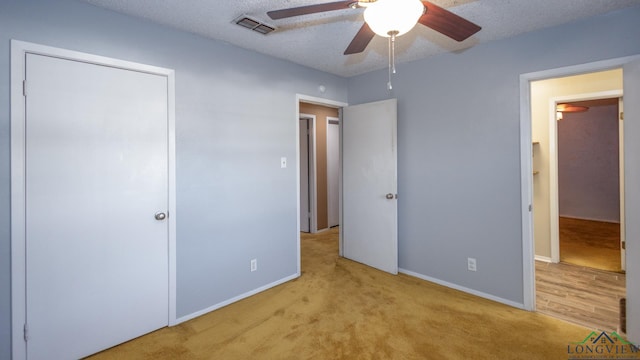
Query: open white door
(632,194)
(623,255)
(369,184)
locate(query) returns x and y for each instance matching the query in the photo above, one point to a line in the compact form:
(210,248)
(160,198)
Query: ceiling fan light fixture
(363,3)
(568,108)
(393,17)
(571,108)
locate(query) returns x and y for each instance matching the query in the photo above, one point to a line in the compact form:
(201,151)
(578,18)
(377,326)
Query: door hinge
(26,332)
(530,207)
(621,115)
(624,245)
(24,87)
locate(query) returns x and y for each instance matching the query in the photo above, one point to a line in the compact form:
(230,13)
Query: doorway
(555,164)
(367,139)
(321,164)
(589,183)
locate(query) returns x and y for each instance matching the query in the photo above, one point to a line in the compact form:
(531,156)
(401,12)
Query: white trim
(340,233)
(328,119)
(623,232)
(463,289)
(313,163)
(237,298)
(172,211)
(543,258)
(297,127)
(554,205)
(528,263)
(526,202)
(319,101)
(18,205)
(19,49)
(608,94)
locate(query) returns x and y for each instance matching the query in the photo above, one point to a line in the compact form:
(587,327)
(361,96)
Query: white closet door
(96,173)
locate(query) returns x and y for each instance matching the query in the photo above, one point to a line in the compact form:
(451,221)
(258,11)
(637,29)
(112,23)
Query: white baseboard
(543,258)
(464,289)
(235,299)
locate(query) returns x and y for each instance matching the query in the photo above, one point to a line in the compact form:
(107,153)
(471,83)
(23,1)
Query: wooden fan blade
(309,9)
(447,23)
(361,40)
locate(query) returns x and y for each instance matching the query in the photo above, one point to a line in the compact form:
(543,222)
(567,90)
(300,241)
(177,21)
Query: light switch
(283,162)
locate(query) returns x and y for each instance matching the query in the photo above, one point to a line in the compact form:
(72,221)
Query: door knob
(390,196)
(160,216)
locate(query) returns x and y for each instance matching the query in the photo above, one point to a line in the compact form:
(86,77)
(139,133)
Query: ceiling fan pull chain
(389,83)
(392,56)
(393,53)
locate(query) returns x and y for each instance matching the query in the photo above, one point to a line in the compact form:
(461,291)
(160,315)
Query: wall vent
(253,24)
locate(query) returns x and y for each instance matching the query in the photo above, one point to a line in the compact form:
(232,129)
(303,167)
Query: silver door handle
(390,196)
(160,216)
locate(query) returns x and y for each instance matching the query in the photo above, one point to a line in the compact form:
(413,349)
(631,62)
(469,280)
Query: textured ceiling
(319,40)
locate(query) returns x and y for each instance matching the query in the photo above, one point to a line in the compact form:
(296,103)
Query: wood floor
(588,243)
(586,286)
(581,295)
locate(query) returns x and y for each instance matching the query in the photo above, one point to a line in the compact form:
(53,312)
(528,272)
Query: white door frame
(317,101)
(329,119)
(554,190)
(19,50)
(526,168)
(623,232)
(313,199)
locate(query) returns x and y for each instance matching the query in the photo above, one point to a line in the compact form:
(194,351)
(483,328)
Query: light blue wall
(235,118)
(588,170)
(459,147)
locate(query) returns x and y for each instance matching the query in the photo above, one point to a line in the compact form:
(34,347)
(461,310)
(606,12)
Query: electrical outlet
(254,265)
(471,264)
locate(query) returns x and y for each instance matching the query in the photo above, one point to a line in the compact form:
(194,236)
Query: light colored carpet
(339,309)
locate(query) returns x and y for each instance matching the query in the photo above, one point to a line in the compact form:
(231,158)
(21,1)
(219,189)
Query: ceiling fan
(390,18)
